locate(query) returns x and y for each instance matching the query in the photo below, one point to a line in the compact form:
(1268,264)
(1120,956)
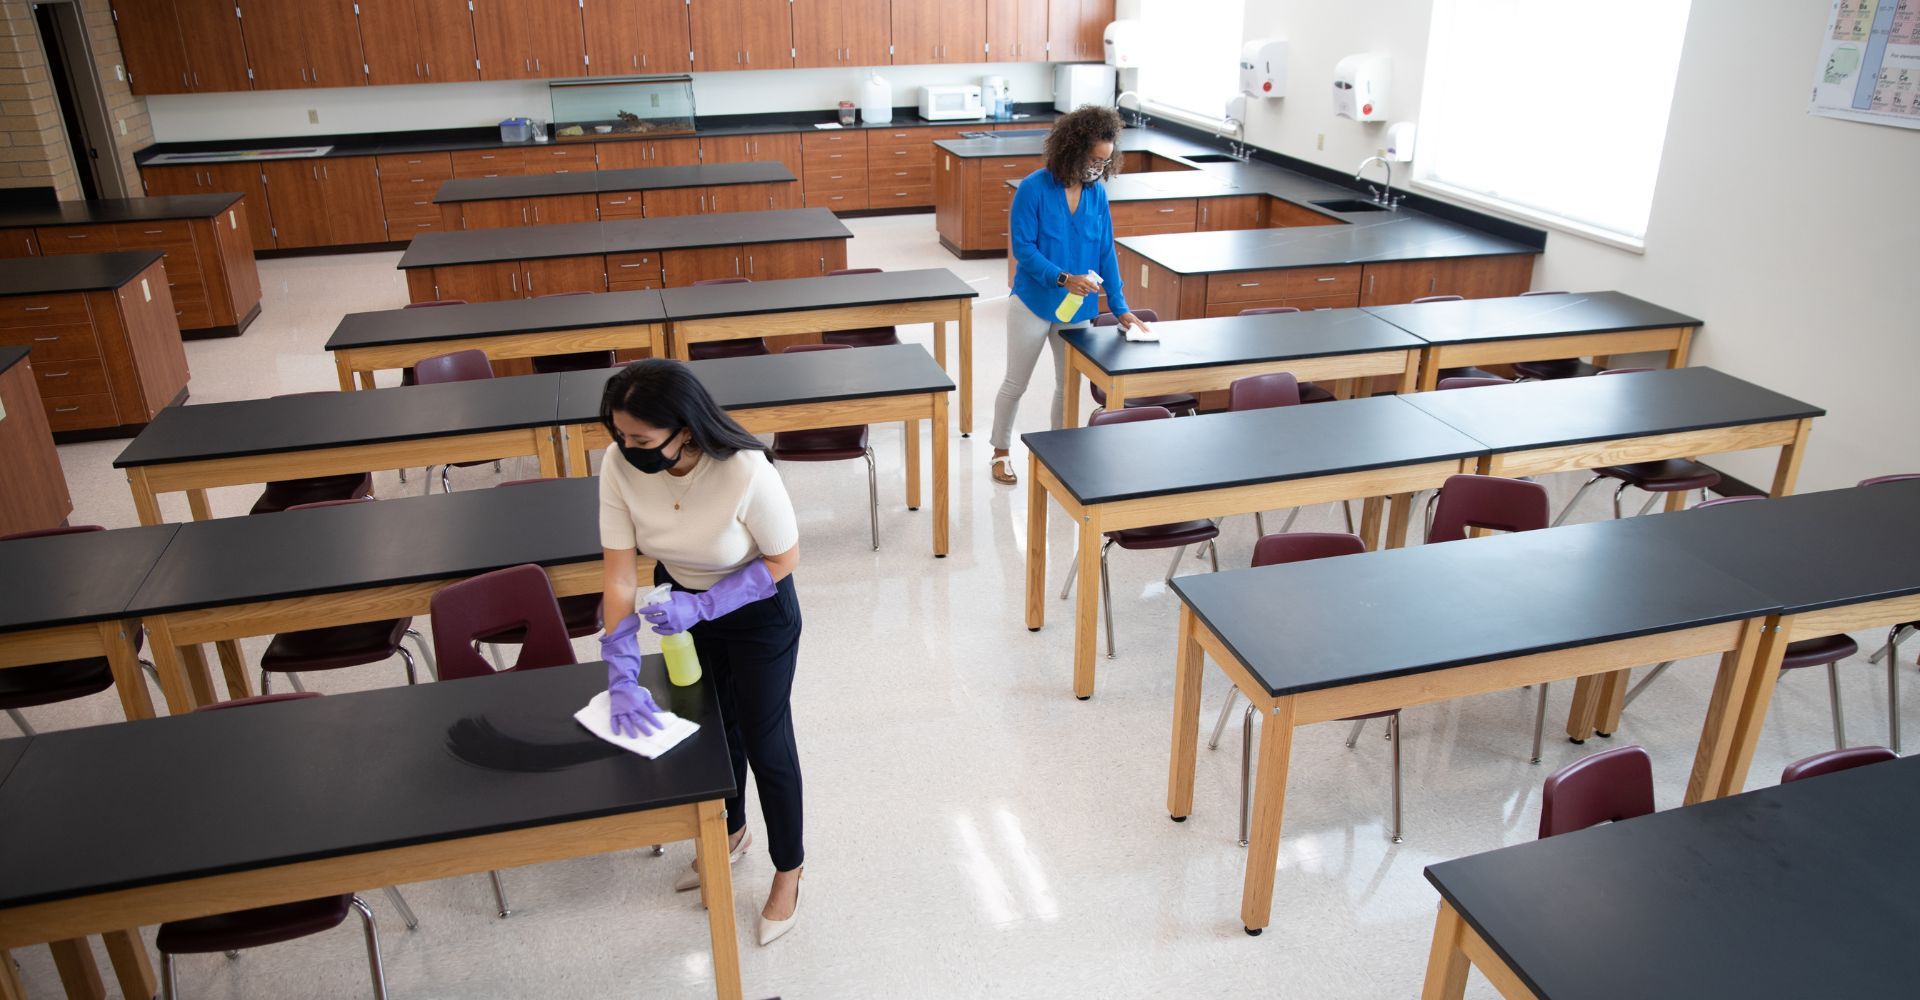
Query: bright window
(1555,108)
(1189,61)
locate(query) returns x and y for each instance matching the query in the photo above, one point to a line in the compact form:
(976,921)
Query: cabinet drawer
(1244,286)
(634,284)
(412,209)
(54,343)
(1178,215)
(995,171)
(564,159)
(628,205)
(191,308)
(73,413)
(401,189)
(180,261)
(401,229)
(830,158)
(489,163)
(43,310)
(842,201)
(996,199)
(912,156)
(159,235)
(76,239)
(846,179)
(438,166)
(830,139)
(889,196)
(894,175)
(633,267)
(894,138)
(1348,300)
(70,378)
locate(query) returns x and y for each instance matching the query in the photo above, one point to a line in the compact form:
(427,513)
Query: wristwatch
(1061,280)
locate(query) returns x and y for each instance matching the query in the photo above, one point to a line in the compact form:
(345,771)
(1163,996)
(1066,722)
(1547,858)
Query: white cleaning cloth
(597,717)
(1141,335)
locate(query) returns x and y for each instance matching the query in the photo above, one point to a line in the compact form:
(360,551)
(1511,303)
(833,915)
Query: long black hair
(664,393)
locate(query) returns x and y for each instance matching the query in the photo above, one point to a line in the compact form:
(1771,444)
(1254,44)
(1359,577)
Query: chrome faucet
(1136,119)
(1384,198)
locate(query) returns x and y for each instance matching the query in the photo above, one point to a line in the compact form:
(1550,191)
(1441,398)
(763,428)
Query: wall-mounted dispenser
(1360,85)
(1399,142)
(1125,42)
(1263,68)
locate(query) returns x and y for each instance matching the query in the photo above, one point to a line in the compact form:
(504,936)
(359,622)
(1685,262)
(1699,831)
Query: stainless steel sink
(1210,158)
(1350,205)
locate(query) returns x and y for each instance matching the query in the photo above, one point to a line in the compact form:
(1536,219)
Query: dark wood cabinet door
(557,275)
(18,243)
(727,148)
(680,268)
(674,201)
(392,37)
(798,259)
(1075,29)
(1246,211)
(299,203)
(501,41)
(334,55)
(745,197)
(246,178)
(740,34)
(445,40)
(553,36)
(636,36)
(674,153)
(478,282)
(173,180)
(1027,36)
(819,33)
(963,31)
(496,214)
(355,213)
(915,31)
(156,59)
(868,30)
(215,46)
(276,46)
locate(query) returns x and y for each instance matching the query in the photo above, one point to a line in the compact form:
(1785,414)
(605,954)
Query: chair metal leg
(873,499)
(426,653)
(1106,596)
(1287,525)
(1353,735)
(266,684)
(21,721)
(294,679)
(1616,501)
(1426,523)
(1577,494)
(445,486)
(1539,724)
(169,978)
(374,966)
(400,903)
(500,895)
(151,670)
(1346,507)
(1893,689)
(1174,566)
(496,467)
(403,477)
(1651,499)
(1246,774)
(1634,691)
(1259,524)
(407,659)
(1393,736)
(658,850)
(1213,555)
(1839,718)
(1073,570)
(1226,711)
(1895,636)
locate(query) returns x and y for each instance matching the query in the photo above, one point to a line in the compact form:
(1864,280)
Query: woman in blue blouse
(1061,230)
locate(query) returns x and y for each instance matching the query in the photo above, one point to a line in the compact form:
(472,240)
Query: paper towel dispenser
(1360,84)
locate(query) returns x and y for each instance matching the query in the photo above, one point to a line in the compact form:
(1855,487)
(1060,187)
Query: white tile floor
(973,831)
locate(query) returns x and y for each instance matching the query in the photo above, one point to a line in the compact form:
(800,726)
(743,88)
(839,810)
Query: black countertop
(483,319)
(107,210)
(296,553)
(597,181)
(1521,317)
(1794,891)
(1333,622)
(1160,185)
(1365,238)
(310,421)
(782,379)
(580,239)
(73,272)
(747,298)
(1232,340)
(72,579)
(279,784)
(10,356)
(1528,415)
(1218,450)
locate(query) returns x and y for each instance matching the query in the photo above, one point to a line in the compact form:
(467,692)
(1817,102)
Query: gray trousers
(1025,333)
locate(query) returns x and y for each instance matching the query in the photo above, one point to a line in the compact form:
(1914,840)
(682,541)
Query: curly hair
(1070,143)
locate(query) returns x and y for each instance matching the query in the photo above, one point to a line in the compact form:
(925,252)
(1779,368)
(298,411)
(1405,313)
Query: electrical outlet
(1320,141)
(120,72)
(313,116)
(123,125)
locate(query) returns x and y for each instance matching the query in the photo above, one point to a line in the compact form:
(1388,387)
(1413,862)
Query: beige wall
(33,142)
(1793,236)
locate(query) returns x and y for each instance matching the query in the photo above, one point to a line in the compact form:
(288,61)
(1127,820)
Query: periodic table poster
(1870,63)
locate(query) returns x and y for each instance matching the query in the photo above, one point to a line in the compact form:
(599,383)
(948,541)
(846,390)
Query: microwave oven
(951,101)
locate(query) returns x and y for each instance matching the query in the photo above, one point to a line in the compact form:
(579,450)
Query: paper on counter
(598,720)
(826,124)
(1140,335)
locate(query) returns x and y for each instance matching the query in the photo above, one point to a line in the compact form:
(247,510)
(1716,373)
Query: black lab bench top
(57,274)
(1525,317)
(1235,340)
(306,422)
(782,379)
(489,319)
(75,579)
(298,553)
(280,784)
(103,211)
(833,291)
(1794,891)
(610,181)
(1529,415)
(1333,622)
(1218,450)
(583,239)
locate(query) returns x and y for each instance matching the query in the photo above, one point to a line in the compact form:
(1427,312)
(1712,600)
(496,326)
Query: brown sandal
(1002,469)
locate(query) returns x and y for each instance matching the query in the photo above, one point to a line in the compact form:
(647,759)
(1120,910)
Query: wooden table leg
(1585,707)
(716,891)
(940,349)
(1399,517)
(1447,964)
(1611,702)
(579,460)
(1733,719)
(128,682)
(1429,371)
(1070,395)
(1787,472)
(1036,546)
(78,974)
(911,429)
(1269,805)
(170,663)
(546,446)
(1188,663)
(1677,357)
(234,668)
(344,369)
(10,988)
(1410,376)
(942,474)
(146,504)
(197,503)
(966,367)
(1086,605)
(199,678)
(131,966)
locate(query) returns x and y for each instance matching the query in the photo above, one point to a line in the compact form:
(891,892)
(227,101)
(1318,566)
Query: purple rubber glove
(681,610)
(631,707)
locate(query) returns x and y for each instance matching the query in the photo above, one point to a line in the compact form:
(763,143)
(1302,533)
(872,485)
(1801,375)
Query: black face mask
(652,460)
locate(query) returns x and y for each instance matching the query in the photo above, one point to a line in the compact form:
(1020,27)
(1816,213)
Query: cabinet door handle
(1325,280)
(46,374)
(46,340)
(423,225)
(35,309)
(1370,278)
(1166,211)
(628,266)
(515,278)
(1249,284)
(749,263)
(66,409)
(151,232)
(79,236)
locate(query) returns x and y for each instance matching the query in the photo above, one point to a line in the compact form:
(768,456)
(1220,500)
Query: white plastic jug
(876,100)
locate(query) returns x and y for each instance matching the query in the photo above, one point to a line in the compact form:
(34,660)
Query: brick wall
(122,106)
(33,140)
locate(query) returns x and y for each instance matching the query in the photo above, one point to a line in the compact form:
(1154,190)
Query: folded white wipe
(1140,335)
(598,720)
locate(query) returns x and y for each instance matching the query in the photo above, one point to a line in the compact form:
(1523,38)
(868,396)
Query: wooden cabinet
(835,169)
(558,275)
(1226,293)
(36,496)
(628,272)
(840,32)
(1469,277)
(1017,30)
(971,200)
(559,158)
(528,39)
(299,203)
(772,148)
(549,210)
(417,41)
(629,153)
(1247,211)
(246,178)
(900,165)
(636,36)
(939,31)
(110,358)
(215,46)
(1147,218)
(55,240)
(747,197)
(740,34)
(407,185)
(1076,29)
(488,163)
(314,43)
(663,202)
(334,201)
(1282,214)
(510,279)
(154,36)
(18,243)
(680,268)
(797,259)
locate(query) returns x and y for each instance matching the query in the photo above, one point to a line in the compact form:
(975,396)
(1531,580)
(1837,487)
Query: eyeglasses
(1102,164)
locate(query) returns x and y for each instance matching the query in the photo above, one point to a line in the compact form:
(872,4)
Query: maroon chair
(459,366)
(337,647)
(1671,475)
(464,614)
(831,444)
(870,336)
(1272,550)
(1890,650)
(1544,371)
(1445,373)
(1172,402)
(283,493)
(1605,787)
(58,680)
(1178,536)
(746,347)
(406,374)
(1309,392)
(578,361)
(265,925)
(580,612)
(1471,382)
(1829,761)
(1259,392)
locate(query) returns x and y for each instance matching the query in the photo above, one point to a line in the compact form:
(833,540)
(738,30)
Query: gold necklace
(683,493)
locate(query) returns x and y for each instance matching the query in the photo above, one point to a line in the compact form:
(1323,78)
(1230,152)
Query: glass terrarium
(634,106)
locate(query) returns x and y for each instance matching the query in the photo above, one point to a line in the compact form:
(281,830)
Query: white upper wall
(260,114)
(1776,227)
